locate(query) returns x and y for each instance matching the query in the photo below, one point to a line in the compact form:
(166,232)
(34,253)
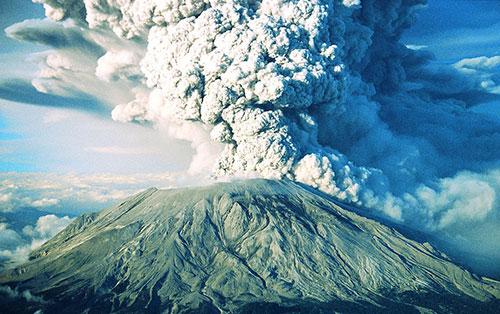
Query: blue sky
(13,12)
(61,140)
(13,52)
(457,29)
(451,30)
(49,138)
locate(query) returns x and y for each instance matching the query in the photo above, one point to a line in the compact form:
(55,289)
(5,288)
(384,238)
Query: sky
(81,126)
(451,30)
(454,30)
(33,138)
(38,135)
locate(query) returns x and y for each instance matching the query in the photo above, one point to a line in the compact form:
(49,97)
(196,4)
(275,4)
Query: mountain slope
(247,246)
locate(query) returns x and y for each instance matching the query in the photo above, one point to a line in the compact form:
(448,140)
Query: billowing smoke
(321,92)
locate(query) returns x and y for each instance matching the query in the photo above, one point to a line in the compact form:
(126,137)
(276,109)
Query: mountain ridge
(244,246)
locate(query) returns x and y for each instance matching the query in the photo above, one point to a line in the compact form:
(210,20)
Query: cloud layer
(16,245)
(36,206)
(76,193)
(321,92)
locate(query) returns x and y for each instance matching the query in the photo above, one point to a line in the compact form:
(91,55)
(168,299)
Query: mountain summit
(255,246)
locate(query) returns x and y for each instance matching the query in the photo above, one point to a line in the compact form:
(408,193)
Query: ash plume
(320,92)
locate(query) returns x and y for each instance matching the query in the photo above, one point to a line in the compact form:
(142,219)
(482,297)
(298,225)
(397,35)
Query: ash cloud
(320,92)
(56,35)
(81,62)
(22,91)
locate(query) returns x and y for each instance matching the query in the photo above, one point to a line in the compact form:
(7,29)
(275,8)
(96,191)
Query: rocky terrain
(254,246)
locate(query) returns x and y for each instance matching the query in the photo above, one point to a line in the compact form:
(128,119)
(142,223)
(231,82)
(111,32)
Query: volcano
(253,246)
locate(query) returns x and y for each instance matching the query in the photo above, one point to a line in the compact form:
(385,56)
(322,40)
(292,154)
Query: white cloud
(47,226)
(416,47)
(25,294)
(479,63)
(149,150)
(465,198)
(485,69)
(79,192)
(119,65)
(15,247)
(45,202)
(116,150)
(9,238)
(70,69)
(5,197)
(56,116)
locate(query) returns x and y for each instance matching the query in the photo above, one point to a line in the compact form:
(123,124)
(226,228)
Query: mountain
(255,246)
